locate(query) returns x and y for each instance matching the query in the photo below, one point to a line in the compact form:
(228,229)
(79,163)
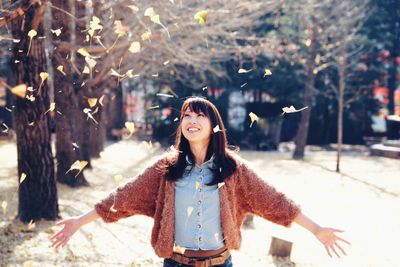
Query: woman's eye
(186,115)
(201,115)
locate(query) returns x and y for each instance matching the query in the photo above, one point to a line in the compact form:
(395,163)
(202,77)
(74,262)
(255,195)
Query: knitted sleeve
(262,199)
(136,197)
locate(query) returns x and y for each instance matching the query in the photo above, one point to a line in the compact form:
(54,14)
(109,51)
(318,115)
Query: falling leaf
(216,129)
(31,123)
(94,25)
(5,128)
(165,95)
(189,211)
(292,109)
(101,100)
(115,73)
(92,102)
(131,127)
(244,71)
(146,35)
(112,208)
(52,107)
(19,90)
(253,118)
(31,225)
(61,69)
(134,48)
(166,62)
(31,34)
(78,165)
(307,42)
(22,178)
(201,17)
(155,75)
(31,98)
(154,17)
(129,73)
(57,32)
(75,145)
(243,85)
(220,185)
(120,29)
(154,107)
(91,62)
(197,185)
(267,72)
(179,249)
(83,52)
(176,119)
(86,70)
(204,88)
(4,206)
(117,179)
(43,77)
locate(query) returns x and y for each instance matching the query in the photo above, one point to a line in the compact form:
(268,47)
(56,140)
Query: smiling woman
(198,195)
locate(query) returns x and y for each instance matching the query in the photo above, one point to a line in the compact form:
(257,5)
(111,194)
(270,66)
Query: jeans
(172,263)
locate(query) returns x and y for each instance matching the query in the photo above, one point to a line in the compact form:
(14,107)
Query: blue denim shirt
(197,209)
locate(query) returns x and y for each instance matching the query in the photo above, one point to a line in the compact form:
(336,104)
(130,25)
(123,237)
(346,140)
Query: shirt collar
(209,163)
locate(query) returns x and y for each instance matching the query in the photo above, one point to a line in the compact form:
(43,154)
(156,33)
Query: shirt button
(201,170)
(200,189)
(199,225)
(200,238)
(199,202)
(198,213)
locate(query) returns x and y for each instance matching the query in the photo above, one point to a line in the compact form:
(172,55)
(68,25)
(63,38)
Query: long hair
(225,165)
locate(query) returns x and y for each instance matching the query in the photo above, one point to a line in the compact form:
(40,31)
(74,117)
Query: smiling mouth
(192,129)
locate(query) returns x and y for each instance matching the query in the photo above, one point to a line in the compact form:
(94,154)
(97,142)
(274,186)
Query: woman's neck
(199,151)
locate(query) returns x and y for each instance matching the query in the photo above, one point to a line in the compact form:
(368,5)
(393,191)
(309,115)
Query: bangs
(197,105)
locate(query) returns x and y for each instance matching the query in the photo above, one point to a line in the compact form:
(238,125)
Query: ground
(363,200)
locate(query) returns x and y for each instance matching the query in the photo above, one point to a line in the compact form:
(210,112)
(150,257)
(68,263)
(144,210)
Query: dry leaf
(19,90)
(94,25)
(165,95)
(5,128)
(149,12)
(131,127)
(91,62)
(146,35)
(83,52)
(267,72)
(134,48)
(201,17)
(31,225)
(253,118)
(216,129)
(244,71)
(86,70)
(78,165)
(52,107)
(166,62)
(101,100)
(112,208)
(31,98)
(57,32)
(115,73)
(31,34)
(179,249)
(220,185)
(129,73)
(61,69)
(134,8)
(117,179)
(92,102)
(22,178)
(120,29)
(292,109)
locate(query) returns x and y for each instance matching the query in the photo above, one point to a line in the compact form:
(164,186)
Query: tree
(37,190)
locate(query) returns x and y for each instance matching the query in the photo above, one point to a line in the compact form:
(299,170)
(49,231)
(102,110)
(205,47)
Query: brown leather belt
(202,262)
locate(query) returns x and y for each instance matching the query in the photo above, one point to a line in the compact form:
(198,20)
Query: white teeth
(193,129)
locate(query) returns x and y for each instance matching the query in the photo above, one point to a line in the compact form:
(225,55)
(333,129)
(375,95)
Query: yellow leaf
(292,109)
(115,73)
(91,62)
(307,42)
(217,129)
(83,52)
(155,19)
(52,106)
(22,178)
(43,76)
(189,211)
(267,72)
(31,98)
(27,264)
(131,127)
(146,35)
(86,70)
(94,25)
(134,48)
(244,71)
(112,208)
(32,33)
(155,75)
(19,90)
(179,249)
(253,118)
(149,12)
(61,69)
(92,102)
(117,179)
(129,73)
(4,206)
(201,17)
(31,123)
(5,128)
(220,185)
(31,225)
(57,32)
(166,62)
(78,165)
(120,30)
(134,8)
(101,100)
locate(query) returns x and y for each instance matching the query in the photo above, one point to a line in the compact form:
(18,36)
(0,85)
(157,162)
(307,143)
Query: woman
(198,195)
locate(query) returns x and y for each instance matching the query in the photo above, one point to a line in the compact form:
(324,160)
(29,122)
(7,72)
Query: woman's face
(196,127)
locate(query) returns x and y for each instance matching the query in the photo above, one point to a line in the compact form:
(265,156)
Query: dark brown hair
(225,165)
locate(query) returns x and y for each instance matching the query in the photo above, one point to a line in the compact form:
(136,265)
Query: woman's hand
(328,237)
(61,238)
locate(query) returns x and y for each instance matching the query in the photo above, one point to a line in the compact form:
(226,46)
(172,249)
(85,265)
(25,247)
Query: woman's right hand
(61,238)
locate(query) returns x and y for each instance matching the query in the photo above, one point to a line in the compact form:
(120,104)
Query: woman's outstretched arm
(327,236)
(71,225)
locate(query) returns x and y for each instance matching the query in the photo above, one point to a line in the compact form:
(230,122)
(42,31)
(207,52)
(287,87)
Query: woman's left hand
(328,237)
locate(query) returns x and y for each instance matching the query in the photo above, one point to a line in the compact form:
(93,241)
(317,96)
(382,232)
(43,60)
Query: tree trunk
(38,192)
(302,132)
(394,53)
(115,112)
(66,101)
(342,69)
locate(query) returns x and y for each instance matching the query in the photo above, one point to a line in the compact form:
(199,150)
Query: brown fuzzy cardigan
(152,195)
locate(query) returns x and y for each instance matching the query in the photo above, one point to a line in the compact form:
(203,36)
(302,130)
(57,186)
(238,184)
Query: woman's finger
(62,222)
(345,241)
(334,250)
(341,249)
(58,234)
